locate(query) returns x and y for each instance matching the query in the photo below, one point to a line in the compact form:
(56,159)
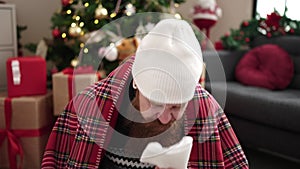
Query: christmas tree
(78,20)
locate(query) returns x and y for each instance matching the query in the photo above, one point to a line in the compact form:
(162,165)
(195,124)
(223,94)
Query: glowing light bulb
(74,62)
(81,45)
(177,16)
(112,15)
(63,35)
(69,11)
(73,24)
(81,24)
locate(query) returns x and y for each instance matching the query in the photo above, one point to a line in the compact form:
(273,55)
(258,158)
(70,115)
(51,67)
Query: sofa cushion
(267,66)
(289,43)
(280,108)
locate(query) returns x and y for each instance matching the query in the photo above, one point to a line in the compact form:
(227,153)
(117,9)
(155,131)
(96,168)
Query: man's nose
(167,115)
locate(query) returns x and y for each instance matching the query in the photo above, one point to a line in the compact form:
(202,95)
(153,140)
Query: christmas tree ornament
(65,2)
(110,53)
(206,14)
(75,30)
(245,23)
(93,37)
(129,9)
(101,12)
(56,33)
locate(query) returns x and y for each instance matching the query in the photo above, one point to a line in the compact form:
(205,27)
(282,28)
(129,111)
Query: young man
(153,96)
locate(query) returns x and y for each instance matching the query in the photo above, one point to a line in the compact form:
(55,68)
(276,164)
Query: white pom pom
(111,53)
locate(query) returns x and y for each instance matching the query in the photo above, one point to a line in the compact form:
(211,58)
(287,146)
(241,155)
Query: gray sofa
(262,118)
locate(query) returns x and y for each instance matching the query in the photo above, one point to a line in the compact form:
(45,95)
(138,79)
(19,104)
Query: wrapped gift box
(68,83)
(27,121)
(26,76)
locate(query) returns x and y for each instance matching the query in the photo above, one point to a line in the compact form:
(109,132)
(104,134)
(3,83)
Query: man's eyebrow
(156,103)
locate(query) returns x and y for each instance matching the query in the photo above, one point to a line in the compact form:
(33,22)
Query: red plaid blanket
(82,131)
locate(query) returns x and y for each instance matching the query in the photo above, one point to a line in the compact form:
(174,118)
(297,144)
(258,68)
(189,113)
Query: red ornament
(65,2)
(247,40)
(269,35)
(245,23)
(56,33)
(292,31)
(219,45)
(282,31)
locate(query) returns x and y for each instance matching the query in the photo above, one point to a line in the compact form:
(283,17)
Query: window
(264,7)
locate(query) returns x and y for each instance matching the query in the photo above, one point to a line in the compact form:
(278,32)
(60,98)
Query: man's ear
(135,42)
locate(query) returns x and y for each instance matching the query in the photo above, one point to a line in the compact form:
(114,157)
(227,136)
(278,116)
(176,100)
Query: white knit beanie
(168,63)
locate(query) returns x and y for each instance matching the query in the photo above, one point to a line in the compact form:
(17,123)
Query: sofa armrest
(220,66)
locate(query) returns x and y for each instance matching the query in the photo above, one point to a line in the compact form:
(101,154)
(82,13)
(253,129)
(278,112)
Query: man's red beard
(166,134)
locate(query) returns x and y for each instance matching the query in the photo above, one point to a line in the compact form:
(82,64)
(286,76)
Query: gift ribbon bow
(16,73)
(14,146)
(79,70)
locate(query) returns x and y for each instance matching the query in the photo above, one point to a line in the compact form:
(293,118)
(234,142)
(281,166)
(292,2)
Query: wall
(36,14)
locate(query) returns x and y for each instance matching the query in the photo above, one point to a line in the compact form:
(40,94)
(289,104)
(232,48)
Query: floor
(262,160)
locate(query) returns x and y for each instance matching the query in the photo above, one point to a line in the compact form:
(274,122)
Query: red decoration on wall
(273,20)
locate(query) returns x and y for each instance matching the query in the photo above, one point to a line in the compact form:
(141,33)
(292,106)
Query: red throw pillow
(267,66)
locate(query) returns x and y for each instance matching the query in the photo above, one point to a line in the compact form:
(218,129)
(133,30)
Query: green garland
(272,26)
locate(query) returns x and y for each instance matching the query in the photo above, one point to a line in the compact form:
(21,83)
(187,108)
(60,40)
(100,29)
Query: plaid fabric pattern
(86,125)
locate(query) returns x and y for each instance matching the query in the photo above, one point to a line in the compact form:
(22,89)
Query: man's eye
(176,107)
